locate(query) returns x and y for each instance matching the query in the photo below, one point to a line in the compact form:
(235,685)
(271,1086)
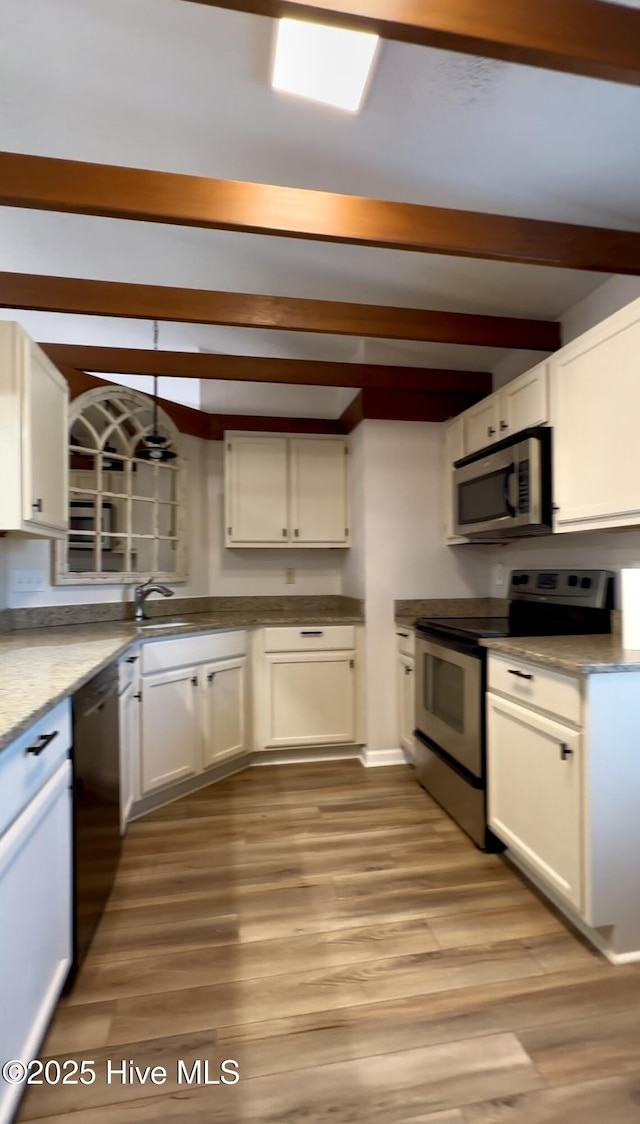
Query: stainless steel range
(450,755)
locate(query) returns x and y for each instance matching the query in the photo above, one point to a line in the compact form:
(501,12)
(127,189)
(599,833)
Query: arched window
(126,511)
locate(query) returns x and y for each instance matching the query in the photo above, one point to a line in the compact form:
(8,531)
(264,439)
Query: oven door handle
(510,473)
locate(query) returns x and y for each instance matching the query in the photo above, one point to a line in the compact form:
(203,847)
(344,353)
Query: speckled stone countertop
(582,655)
(41,666)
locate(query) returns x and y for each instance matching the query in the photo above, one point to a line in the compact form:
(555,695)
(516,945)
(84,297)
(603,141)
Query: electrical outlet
(289,576)
(498,574)
(27,581)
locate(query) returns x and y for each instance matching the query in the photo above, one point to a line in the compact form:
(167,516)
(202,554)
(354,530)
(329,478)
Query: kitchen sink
(168,623)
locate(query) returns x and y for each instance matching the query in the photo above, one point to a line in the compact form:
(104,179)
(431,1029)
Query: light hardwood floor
(329,929)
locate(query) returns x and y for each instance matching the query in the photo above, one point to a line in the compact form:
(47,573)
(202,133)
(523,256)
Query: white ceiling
(170,85)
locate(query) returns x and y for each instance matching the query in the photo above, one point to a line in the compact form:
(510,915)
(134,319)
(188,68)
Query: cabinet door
(595,396)
(35,933)
(224,710)
(45,443)
(525,401)
(310,699)
(256,490)
(170,743)
(319,493)
(406,699)
(129,752)
(535,793)
(453,450)
(481,424)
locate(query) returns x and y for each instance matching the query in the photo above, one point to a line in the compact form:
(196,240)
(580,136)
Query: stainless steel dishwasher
(96,804)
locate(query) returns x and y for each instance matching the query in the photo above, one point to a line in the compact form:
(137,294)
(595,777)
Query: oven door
(501,491)
(449,702)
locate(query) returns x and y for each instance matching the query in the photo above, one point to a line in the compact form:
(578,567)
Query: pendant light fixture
(155,445)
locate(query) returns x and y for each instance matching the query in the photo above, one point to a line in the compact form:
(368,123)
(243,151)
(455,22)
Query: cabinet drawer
(162,655)
(406,638)
(310,638)
(22,774)
(536,686)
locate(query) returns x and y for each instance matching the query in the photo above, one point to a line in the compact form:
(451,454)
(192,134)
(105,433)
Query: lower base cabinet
(310,699)
(169,740)
(224,710)
(535,792)
(35,927)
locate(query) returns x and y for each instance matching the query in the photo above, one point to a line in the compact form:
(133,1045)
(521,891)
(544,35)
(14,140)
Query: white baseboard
(373,758)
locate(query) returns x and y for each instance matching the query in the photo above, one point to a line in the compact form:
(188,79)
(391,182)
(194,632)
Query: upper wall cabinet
(595,394)
(286,491)
(33,438)
(522,403)
(453,450)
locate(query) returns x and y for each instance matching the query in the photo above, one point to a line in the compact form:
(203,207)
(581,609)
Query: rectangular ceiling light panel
(325,64)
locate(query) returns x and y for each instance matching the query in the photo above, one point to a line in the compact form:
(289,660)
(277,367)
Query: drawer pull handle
(520,674)
(311,632)
(404,635)
(42,742)
(37,505)
(565,752)
(408,670)
(211,676)
(138,695)
(131,659)
(194,680)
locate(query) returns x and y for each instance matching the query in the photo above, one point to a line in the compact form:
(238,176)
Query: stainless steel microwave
(505,490)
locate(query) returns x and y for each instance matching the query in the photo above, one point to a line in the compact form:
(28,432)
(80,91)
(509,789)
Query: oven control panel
(584,587)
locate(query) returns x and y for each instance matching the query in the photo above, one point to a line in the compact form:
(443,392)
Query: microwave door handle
(510,474)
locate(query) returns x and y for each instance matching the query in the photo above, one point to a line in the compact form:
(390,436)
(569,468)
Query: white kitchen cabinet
(310,699)
(34,435)
(36,912)
(524,402)
(319,499)
(595,398)
(169,746)
(535,793)
(286,491)
(481,424)
(406,700)
(563,776)
(129,751)
(520,404)
(453,450)
(224,706)
(256,483)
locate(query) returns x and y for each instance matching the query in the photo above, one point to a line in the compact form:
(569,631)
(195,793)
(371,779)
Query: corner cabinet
(286,491)
(34,434)
(307,687)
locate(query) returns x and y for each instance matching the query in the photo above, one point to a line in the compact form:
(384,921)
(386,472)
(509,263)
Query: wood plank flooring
(332,931)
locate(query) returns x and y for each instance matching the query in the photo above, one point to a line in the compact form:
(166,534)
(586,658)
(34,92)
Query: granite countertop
(41,666)
(582,655)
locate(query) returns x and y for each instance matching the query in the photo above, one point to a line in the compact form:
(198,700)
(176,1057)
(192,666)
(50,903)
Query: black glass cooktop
(474,628)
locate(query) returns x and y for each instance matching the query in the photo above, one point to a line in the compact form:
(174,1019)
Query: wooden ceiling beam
(246,368)
(44,183)
(289,314)
(585,37)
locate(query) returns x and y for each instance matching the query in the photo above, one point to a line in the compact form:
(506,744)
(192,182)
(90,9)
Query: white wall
(212,569)
(606,549)
(399,549)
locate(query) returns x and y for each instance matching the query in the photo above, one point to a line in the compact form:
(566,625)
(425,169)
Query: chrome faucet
(141,592)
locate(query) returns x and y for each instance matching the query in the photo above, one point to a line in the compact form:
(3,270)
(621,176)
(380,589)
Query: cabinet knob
(211,676)
(37,505)
(194,680)
(284,532)
(504,425)
(565,752)
(408,670)
(138,695)
(490,431)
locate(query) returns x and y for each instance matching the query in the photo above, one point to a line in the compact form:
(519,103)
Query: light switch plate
(27,581)
(498,574)
(289,576)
